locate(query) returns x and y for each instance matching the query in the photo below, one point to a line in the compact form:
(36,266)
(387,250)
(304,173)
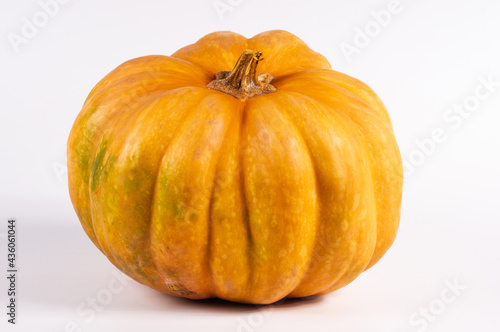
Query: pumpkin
(278,178)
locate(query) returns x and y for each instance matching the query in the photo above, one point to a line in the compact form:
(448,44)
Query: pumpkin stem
(243,82)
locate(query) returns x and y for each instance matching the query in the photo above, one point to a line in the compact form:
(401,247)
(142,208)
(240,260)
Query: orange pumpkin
(251,185)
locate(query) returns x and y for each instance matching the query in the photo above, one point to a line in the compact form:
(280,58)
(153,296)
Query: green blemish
(170,192)
(178,210)
(83,145)
(109,166)
(193,216)
(97,166)
(135,179)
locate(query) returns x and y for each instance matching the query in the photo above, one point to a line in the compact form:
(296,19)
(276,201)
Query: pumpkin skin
(198,194)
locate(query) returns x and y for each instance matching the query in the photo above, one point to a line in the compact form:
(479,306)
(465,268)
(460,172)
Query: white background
(429,58)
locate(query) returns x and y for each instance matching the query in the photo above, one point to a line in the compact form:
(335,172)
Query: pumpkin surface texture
(243,169)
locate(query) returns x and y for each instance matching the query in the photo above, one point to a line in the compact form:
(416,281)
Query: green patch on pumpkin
(97,166)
